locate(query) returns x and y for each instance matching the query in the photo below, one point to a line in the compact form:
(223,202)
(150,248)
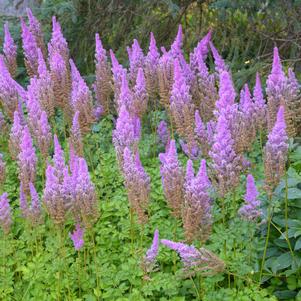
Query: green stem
(196,289)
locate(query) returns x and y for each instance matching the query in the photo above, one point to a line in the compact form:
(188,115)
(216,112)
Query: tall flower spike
(30,48)
(36,29)
(201,134)
(163,133)
(2,170)
(149,259)
(15,136)
(259,104)
(137,184)
(27,160)
(151,63)
(276,84)
(81,100)
(126,133)
(76,137)
(226,163)
(136,59)
(102,85)
(250,209)
(77,237)
(10,51)
(58,43)
(197,219)
(58,159)
(176,47)
(172,179)
(275,153)
(182,108)
(44,135)
(196,261)
(219,62)
(35,212)
(140,95)
(5,213)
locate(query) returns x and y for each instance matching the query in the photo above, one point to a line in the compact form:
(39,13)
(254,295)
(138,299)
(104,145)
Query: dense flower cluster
(5,213)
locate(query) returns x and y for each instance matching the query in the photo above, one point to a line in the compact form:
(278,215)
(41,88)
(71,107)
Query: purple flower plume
(10,51)
(5,213)
(77,237)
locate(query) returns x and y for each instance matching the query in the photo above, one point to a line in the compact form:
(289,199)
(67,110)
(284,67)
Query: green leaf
(298,244)
(294,193)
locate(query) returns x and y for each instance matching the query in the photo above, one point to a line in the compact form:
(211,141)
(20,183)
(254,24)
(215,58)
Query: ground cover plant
(158,181)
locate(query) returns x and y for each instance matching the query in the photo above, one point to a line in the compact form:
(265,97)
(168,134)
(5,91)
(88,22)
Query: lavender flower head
(259,104)
(76,137)
(220,65)
(58,159)
(10,51)
(275,152)
(136,59)
(15,136)
(149,260)
(5,213)
(249,210)
(77,237)
(176,47)
(44,135)
(163,132)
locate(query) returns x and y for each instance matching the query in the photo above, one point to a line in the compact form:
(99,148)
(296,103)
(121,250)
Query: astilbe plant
(10,51)
(275,153)
(196,261)
(43,135)
(172,179)
(140,96)
(220,65)
(30,48)
(182,108)
(76,137)
(103,84)
(149,260)
(137,184)
(27,160)
(260,109)
(33,106)
(5,213)
(126,134)
(15,136)
(136,60)
(81,99)
(151,63)
(163,133)
(77,237)
(196,213)
(225,162)
(250,209)
(31,212)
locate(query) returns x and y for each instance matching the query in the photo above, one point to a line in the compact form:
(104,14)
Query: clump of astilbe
(275,153)
(2,170)
(84,200)
(219,62)
(165,78)
(149,261)
(196,261)
(172,179)
(15,136)
(137,184)
(203,134)
(136,60)
(163,133)
(140,96)
(126,134)
(58,43)
(151,63)
(10,51)
(182,107)
(76,137)
(259,105)
(204,92)
(31,212)
(250,210)
(43,135)
(81,100)
(196,213)
(225,162)
(5,213)
(27,160)
(117,71)
(276,83)
(60,77)
(102,85)
(36,29)
(77,237)
(10,92)
(30,48)
(44,86)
